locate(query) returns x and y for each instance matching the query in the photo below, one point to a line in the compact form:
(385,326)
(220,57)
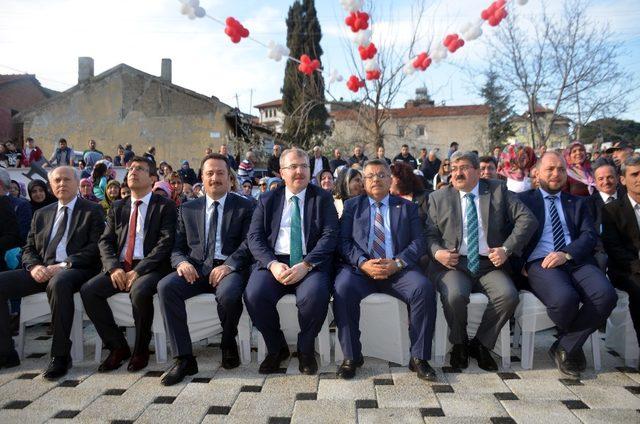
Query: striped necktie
(377,247)
(473,250)
(556,225)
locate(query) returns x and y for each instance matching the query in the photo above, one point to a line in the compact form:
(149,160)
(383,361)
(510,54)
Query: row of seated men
(293,243)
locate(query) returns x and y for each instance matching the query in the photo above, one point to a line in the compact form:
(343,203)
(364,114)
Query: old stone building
(559,130)
(125,105)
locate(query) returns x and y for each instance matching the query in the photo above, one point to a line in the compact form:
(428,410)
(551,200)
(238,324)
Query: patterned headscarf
(581,172)
(516,161)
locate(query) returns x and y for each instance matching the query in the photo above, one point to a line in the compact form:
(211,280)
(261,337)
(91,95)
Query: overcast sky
(46,37)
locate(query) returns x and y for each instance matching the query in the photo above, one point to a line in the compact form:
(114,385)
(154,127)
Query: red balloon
(453,42)
(235,30)
(357,21)
(308,66)
(495,13)
(422,61)
(367,52)
(354,83)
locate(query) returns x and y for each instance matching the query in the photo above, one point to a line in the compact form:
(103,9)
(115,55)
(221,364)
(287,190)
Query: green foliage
(611,129)
(499,126)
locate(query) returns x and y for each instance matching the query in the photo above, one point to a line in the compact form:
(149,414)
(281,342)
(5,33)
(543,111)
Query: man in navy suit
(210,256)
(560,265)
(381,242)
(293,236)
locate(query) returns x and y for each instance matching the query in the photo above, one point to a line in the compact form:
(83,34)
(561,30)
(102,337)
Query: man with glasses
(472,227)
(293,236)
(381,244)
(135,249)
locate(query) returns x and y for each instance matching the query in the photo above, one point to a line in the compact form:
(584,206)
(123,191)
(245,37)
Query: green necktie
(295,241)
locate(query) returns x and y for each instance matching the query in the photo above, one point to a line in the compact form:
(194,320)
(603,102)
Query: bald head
(64,183)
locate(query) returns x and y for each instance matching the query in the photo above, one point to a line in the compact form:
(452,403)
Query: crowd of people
(563,224)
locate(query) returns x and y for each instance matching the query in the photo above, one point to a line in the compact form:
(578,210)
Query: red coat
(34,156)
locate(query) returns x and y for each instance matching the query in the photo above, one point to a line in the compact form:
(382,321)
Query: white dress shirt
(284,234)
(636,208)
(545,245)
(138,249)
(606,196)
(61,249)
(483,247)
(209,211)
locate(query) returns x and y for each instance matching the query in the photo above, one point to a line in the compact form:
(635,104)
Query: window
(420,130)
(523,130)
(401,131)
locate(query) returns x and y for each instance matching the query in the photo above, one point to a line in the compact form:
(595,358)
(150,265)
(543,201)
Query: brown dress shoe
(115,359)
(138,361)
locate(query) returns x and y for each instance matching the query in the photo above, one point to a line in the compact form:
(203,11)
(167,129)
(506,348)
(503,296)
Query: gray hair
(299,153)
(471,157)
(378,162)
(630,161)
(5,179)
(69,168)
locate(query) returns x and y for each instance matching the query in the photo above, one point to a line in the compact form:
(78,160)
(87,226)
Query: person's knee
(167,287)
(608,300)
(343,287)
(564,301)
(59,285)
(508,298)
(229,294)
(453,295)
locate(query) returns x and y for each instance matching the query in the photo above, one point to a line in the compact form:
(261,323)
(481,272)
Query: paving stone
(25,389)
(477,383)
(607,397)
(470,405)
(539,411)
(290,384)
(607,378)
(346,389)
(457,420)
(172,414)
(404,377)
(29,416)
(539,389)
(607,416)
(324,411)
(104,408)
(71,398)
(389,415)
(214,393)
(405,397)
(263,405)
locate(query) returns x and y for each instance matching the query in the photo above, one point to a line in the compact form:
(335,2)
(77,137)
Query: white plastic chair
(288,312)
(531,316)
(384,329)
(120,304)
(621,336)
(35,309)
(475,310)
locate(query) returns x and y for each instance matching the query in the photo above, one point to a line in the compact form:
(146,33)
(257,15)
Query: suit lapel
(201,217)
(153,204)
(309,206)
(485,200)
(278,206)
(568,207)
(456,207)
(49,220)
(363,220)
(629,215)
(124,217)
(75,217)
(227,214)
(395,212)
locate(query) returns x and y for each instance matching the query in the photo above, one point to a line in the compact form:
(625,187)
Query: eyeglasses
(294,167)
(137,169)
(262,184)
(381,175)
(461,168)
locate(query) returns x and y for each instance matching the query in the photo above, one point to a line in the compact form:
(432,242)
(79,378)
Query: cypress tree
(499,126)
(303,100)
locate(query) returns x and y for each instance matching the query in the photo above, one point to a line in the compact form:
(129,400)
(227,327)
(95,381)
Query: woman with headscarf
(39,195)
(516,162)
(86,190)
(326,181)
(17,189)
(111,195)
(177,186)
(580,180)
(273,183)
(349,184)
(163,189)
(443,175)
(99,179)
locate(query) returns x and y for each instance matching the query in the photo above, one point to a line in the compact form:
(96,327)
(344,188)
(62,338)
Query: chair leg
(20,340)
(262,348)
(131,336)
(244,338)
(160,341)
(77,339)
(595,348)
(324,343)
(440,336)
(517,331)
(528,338)
(505,345)
(98,349)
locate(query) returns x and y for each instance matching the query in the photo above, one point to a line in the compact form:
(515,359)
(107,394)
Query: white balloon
(277,51)
(522,2)
(194,3)
(471,31)
(200,12)
(335,77)
(439,54)
(408,68)
(371,65)
(362,37)
(351,5)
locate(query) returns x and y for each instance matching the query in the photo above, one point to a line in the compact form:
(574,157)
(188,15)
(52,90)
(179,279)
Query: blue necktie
(295,240)
(473,251)
(377,248)
(556,225)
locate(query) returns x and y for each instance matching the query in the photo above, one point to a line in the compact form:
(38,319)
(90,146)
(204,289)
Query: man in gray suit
(473,226)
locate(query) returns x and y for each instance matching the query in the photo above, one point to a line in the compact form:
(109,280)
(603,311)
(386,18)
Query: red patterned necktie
(131,237)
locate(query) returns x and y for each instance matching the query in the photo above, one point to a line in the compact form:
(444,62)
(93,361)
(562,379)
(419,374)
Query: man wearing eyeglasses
(473,226)
(135,249)
(381,242)
(293,235)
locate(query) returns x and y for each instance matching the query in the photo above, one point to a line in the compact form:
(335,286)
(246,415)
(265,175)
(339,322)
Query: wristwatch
(506,251)
(308,265)
(567,256)
(400,263)
(65,265)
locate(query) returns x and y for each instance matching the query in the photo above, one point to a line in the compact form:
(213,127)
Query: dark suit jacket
(159,234)
(406,230)
(9,234)
(576,214)
(506,220)
(85,228)
(190,233)
(621,237)
(595,204)
(325,164)
(320,227)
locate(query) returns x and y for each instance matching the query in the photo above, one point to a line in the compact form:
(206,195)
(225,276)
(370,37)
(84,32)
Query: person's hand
(553,260)
(294,274)
(40,274)
(132,276)
(388,267)
(217,274)
(497,256)
(447,257)
(374,268)
(187,271)
(53,270)
(118,279)
(277,269)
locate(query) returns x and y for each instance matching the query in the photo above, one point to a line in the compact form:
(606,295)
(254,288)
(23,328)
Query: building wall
(128,107)
(560,132)
(20,94)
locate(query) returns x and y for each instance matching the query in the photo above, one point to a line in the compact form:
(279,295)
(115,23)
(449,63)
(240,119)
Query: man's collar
(220,200)
(384,201)
(288,194)
(70,205)
(545,194)
(475,190)
(145,199)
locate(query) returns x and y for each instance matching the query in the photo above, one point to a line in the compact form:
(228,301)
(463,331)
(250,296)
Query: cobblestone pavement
(381,392)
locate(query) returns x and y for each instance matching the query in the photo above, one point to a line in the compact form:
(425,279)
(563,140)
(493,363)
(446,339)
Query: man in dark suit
(60,255)
(621,238)
(381,242)
(560,265)
(474,225)
(293,236)
(318,163)
(135,249)
(210,255)
(358,157)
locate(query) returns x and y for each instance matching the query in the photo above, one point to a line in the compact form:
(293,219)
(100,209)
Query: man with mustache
(473,226)
(293,236)
(560,265)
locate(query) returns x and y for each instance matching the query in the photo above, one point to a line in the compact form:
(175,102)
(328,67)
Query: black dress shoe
(272,361)
(115,359)
(459,356)
(58,367)
(181,368)
(230,357)
(347,370)
(579,359)
(485,361)
(138,361)
(423,369)
(10,360)
(307,363)
(563,362)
